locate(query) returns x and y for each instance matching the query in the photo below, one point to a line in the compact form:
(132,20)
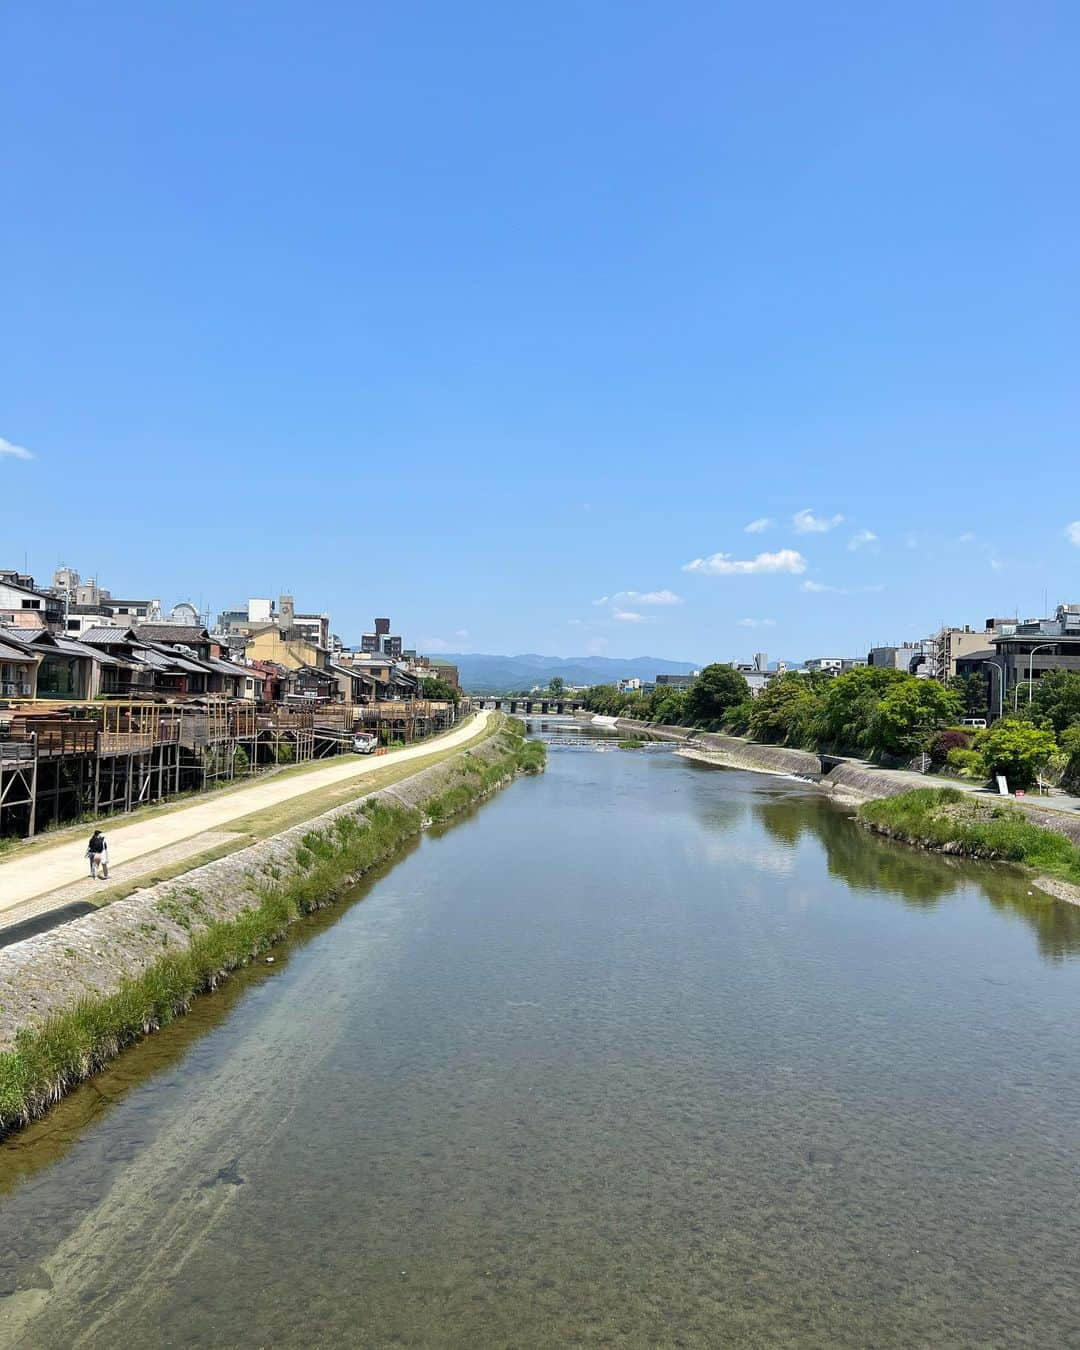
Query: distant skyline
(581,332)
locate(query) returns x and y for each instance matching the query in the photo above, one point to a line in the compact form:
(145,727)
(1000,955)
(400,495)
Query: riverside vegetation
(888,715)
(955,822)
(48,1059)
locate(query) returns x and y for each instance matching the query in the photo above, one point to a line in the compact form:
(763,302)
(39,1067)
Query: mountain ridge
(482,672)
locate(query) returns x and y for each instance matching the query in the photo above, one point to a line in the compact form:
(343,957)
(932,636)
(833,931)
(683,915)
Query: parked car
(364,744)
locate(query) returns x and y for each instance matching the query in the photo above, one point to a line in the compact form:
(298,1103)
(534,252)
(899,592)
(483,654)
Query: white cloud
(603,600)
(806,522)
(630,616)
(861,539)
(14,451)
(967,537)
(757,623)
(758,526)
(819,588)
(434,644)
(724,565)
(1072,533)
(596,646)
(646,598)
(997,564)
(461,632)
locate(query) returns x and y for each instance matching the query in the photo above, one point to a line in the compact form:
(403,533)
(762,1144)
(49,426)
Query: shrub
(967,763)
(945,741)
(739,717)
(1017,749)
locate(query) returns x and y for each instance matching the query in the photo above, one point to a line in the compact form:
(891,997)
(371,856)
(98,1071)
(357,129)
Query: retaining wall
(732,750)
(92,956)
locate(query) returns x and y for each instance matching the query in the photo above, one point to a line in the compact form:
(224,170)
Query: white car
(364,744)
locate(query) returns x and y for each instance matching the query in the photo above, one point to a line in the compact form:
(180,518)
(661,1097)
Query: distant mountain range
(494,674)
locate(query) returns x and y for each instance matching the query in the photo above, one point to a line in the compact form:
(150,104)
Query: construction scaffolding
(285,735)
(406,720)
(138,756)
(101,758)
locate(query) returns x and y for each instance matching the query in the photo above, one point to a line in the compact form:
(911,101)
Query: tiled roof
(104,635)
(20,654)
(172,633)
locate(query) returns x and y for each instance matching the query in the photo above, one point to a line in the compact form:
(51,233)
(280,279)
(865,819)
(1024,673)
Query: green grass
(631,743)
(951,820)
(48,1060)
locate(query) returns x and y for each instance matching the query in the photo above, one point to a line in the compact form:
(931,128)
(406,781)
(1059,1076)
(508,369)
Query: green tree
(784,710)
(668,706)
(439,691)
(909,713)
(557,686)
(1055,698)
(715,690)
(974,690)
(849,704)
(1016,749)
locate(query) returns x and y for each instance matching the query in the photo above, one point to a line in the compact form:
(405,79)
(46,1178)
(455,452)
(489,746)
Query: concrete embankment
(847,780)
(72,997)
(714,748)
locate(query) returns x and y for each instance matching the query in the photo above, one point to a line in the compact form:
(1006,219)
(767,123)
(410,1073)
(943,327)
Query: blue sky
(508,321)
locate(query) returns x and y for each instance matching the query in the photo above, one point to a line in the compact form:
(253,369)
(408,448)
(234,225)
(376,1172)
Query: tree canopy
(439,691)
(908,714)
(715,690)
(1017,749)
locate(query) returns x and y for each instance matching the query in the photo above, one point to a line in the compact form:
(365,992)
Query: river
(642,1053)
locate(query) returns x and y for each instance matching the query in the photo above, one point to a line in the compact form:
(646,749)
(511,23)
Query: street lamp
(1001,683)
(1031,664)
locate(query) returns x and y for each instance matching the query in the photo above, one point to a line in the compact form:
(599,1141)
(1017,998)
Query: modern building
(1022,651)
(914,658)
(382,642)
(950,645)
(677,681)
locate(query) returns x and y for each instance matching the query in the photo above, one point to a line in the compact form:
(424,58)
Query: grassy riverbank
(49,1059)
(956,822)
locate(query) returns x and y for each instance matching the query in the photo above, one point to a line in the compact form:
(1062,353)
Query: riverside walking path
(54,871)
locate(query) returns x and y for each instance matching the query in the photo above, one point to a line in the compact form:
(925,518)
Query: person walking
(98,852)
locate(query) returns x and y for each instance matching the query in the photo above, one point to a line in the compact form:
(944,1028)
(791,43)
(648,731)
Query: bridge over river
(526,704)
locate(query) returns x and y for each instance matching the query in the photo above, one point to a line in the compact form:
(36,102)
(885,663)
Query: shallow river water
(643,1053)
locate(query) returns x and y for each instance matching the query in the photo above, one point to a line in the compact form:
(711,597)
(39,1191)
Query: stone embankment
(225,912)
(847,780)
(714,748)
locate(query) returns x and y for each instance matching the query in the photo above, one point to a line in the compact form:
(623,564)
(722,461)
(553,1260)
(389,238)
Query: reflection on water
(918,878)
(642,1053)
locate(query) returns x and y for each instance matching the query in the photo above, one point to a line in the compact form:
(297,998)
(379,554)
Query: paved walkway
(47,870)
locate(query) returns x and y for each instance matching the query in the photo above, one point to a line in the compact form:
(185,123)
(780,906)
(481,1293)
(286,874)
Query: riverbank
(945,820)
(730,751)
(896,803)
(72,998)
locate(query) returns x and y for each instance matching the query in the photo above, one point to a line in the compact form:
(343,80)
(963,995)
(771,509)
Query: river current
(641,1053)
